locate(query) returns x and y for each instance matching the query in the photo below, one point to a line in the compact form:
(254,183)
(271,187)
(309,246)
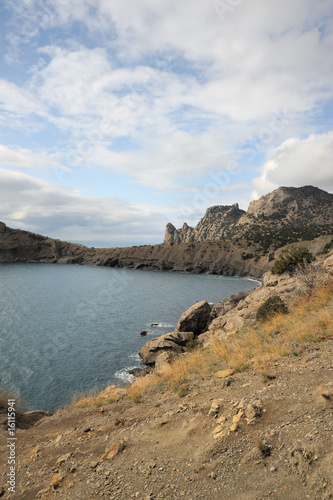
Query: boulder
(195,319)
(170,342)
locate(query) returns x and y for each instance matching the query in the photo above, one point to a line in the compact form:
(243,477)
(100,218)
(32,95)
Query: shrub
(246,255)
(311,276)
(270,307)
(290,259)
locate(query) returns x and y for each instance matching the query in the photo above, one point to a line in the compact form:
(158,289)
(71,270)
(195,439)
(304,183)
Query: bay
(65,329)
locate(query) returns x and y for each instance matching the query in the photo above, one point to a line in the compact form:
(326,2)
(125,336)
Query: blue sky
(118,116)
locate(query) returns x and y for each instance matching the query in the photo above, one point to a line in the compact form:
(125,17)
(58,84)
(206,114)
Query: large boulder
(195,319)
(174,342)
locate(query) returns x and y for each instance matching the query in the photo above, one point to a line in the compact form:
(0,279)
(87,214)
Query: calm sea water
(66,329)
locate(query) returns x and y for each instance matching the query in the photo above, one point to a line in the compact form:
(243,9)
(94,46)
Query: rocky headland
(226,241)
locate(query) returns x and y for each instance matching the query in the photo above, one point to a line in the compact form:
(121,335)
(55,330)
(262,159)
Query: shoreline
(195,287)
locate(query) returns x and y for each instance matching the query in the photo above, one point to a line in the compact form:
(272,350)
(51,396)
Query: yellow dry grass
(140,385)
(91,399)
(95,398)
(309,320)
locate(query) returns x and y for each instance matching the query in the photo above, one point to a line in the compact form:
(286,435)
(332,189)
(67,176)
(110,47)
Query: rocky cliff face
(284,216)
(218,220)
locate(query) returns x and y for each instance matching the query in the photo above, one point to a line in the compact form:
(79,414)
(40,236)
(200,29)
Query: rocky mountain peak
(291,199)
(211,227)
(283,216)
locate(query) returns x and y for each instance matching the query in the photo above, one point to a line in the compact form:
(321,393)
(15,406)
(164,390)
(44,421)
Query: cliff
(226,241)
(215,225)
(284,216)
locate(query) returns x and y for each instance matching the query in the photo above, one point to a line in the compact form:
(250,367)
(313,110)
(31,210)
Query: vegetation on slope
(309,320)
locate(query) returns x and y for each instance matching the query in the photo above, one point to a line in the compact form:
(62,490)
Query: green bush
(271,306)
(291,259)
(246,255)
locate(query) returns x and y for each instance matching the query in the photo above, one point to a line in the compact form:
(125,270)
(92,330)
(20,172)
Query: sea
(67,329)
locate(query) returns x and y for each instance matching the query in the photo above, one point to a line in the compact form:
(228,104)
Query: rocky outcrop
(174,342)
(234,312)
(213,226)
(284,216)
(191,323)
(195,319)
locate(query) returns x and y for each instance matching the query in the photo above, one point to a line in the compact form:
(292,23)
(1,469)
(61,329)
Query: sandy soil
(280,446)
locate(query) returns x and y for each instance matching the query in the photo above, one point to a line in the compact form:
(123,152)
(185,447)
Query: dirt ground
(235,438)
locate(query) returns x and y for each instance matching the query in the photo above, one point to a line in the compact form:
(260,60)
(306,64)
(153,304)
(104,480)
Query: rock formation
(191,323)
(226,241)
(213,226)
(286,215)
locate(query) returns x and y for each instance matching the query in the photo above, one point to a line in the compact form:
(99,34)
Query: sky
(118,116)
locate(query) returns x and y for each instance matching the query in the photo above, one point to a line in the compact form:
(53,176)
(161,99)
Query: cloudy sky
(118,116)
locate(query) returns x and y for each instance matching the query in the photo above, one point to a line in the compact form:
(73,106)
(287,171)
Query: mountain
(215,225)
(284,216)
(226,241)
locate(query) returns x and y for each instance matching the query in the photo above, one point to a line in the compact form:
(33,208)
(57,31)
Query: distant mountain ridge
(283,216)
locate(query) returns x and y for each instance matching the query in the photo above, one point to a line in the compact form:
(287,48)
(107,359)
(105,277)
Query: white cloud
(164,160)
(23,158)
(263,55)
(35,205)
(185,87)
(20,101)
(298,163)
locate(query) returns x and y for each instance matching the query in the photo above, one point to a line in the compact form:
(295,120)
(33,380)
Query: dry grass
(140,385)
(95,398)
(5,395)
(310,320)
(90,399)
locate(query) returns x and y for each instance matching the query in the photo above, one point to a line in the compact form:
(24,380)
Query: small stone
(212,475)
(221,419)
(224,373)
(61,460)
(110,453)
(214,408)
(219,431)
(236,418)
(56,481)
(272,469)
(234,427)
(163,421)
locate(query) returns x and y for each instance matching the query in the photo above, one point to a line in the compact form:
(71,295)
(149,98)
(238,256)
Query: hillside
(284,216)
(247,417)
(226,241)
